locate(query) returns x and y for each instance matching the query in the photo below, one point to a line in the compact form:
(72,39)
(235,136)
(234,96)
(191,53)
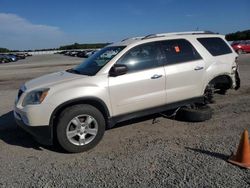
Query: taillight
(235,67)
(237,60)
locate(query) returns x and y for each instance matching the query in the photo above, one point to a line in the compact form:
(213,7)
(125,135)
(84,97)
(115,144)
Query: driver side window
(141,57)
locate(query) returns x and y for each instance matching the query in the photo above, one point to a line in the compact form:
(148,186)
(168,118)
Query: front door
(143,86)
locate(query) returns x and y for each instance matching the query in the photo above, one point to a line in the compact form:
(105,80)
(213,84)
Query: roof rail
(133,38)
(152,36)
(177,33)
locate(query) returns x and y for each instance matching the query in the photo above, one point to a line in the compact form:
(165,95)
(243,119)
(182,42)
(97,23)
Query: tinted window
(177,51)
(216,46)
(141,57)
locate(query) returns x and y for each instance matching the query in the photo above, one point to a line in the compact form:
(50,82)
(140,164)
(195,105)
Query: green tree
(4,50)
(239,35)
(83,46)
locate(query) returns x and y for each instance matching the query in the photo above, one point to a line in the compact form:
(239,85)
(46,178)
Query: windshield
(95,62)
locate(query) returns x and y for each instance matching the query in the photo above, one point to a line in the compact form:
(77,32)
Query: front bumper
(42,134)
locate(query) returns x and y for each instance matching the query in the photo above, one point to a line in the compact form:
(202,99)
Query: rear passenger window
(178,51)
(216,46)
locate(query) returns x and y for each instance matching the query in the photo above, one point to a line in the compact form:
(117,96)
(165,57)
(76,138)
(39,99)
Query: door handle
(198,68)
(156,76)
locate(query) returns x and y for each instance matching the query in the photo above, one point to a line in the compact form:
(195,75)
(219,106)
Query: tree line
(83,46)
(239,35)
(4,50)
(66,47)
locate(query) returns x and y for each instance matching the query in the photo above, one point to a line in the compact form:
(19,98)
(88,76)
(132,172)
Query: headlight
(35,97)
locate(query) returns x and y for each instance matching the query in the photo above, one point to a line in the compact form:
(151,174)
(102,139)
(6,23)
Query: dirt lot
(138,153)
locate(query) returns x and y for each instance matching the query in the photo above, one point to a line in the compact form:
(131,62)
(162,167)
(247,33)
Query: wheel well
(222,82)
(97,103)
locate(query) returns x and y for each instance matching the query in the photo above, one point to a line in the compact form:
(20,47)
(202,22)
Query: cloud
(18,33)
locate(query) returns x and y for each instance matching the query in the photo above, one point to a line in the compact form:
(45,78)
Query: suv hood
(51,79)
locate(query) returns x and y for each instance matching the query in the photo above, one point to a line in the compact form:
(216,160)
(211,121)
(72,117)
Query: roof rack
(177,33)
(133,38)
(169,34)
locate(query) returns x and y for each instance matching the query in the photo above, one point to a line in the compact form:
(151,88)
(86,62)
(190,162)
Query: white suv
(132,78)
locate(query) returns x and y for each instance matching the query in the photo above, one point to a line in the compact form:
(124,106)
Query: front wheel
(80,128)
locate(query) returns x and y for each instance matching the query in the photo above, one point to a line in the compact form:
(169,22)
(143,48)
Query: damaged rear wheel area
(218,85)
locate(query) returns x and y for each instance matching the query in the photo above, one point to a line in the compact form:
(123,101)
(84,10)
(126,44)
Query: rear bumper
(42,134)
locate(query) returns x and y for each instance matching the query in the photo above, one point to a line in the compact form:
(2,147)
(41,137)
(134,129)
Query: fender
(211,79)
(98,103)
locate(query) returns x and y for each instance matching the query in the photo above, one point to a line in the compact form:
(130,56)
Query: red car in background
(241,46)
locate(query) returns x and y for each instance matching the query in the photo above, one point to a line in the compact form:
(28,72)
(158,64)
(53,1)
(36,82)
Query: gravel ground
(137,153)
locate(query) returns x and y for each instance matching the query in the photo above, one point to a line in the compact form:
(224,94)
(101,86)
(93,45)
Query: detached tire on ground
(198,114)
(80,128)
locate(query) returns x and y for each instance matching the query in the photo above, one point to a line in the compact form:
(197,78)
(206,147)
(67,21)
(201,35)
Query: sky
(30,24)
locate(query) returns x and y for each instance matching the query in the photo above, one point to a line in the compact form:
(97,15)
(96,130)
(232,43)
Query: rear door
(143,86)
(184,69)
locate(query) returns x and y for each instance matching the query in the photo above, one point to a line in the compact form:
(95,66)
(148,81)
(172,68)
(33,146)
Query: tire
(80,128)
(198,114)
(222,92)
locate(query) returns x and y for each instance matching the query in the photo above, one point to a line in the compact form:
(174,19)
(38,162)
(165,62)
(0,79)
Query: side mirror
(118,70)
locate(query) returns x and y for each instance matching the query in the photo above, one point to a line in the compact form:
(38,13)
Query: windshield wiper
(73,71)
(76,72)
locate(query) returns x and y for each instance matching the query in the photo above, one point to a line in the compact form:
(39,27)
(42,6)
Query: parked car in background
(73,53)
(12,57)
(81,54)
(20,56)
(8,58)
(27,54)
(62,52)
(78,53)
(84,54)
(90,53)
(4,59)
(66,52)
(241,46)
